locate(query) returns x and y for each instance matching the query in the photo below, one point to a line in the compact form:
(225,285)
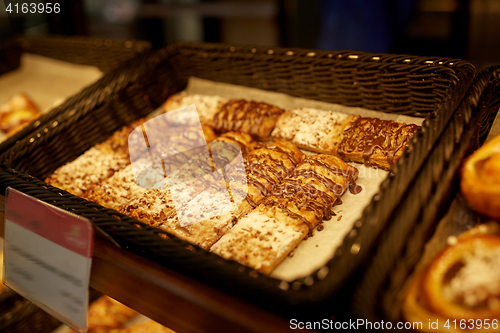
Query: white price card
(48,256)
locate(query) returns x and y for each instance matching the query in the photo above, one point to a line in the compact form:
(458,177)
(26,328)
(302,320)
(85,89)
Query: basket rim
(461,73)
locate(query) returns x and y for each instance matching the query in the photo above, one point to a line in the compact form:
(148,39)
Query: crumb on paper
(291,254)
(321,226)
(339,218)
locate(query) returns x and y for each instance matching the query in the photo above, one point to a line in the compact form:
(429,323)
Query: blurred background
(465,29)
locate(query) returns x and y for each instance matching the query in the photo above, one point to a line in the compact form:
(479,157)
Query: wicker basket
(378,295)
(418,86)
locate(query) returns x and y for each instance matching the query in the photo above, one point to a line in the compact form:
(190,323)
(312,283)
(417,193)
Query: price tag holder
(48,256)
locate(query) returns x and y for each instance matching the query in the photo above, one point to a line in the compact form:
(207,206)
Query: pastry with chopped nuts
(206,106)
(264,237)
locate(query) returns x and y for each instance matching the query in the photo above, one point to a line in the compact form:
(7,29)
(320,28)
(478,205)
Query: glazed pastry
(243,140)
(107,314)
(206,106)
(375,142)
(148,326)
(254,118)
(462,283)
(370,141)
(480,179)
(17,112)
(209,133)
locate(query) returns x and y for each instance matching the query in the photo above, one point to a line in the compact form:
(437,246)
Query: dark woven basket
(105,54)
(378,296)
(23,316)
(418,86)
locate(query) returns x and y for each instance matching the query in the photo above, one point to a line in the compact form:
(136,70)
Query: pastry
(96,164)
(209,133)
(254,118)
(264,237)
(288,210)
(194,210)
(17,112)
(243,140)
(267,166)
(462,283)
(311,129)
(370,141)
(317,183)
(480,179)
(206,106)
(122,187)
(106,314)
(148,326)
(375,142)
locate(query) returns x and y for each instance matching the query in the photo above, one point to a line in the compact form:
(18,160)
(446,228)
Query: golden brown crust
(149,326)
(254,118)
(209,133)
(105,314)
(317,182)
(414,309)
(242,140)
(288,149)
(206,106)
(122,187)
(267,166)
(480,181)
(88,170)
(433,282)
(18,111)
(97,164)
(375,142)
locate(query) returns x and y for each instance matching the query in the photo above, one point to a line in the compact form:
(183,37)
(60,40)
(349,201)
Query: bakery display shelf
(418,86)
(105,54)
(379,293)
